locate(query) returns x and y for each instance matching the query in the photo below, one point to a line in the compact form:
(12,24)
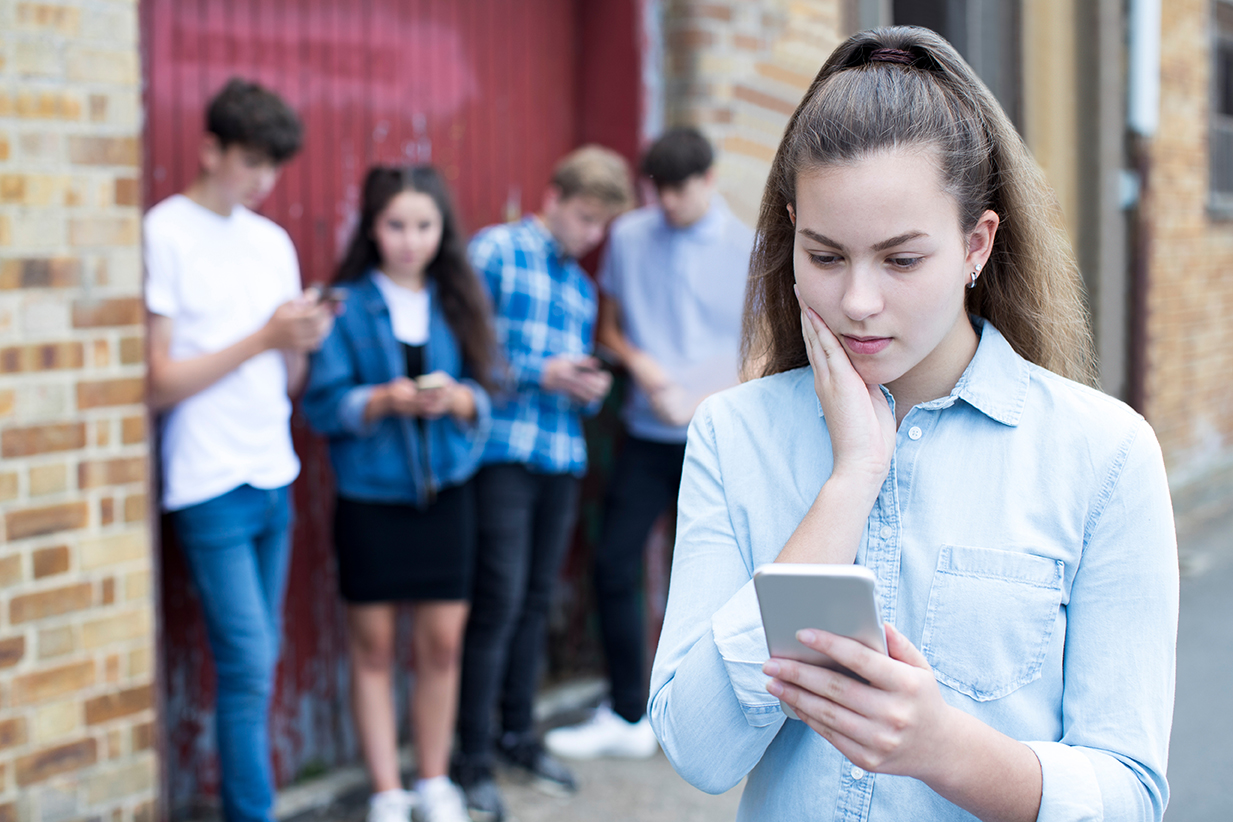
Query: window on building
(985,32)
(1222,110)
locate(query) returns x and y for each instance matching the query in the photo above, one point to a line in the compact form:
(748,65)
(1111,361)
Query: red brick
(10,570)
(42,439)
(48,762)
(747,42)
(142,813)
(711,11)
(133,430)
(51,682)
(98,107)
(104,151)
(8,811)
(51,561)
(103,393)
(690,40)
(32,522)
(12,650)
(143,736)
(16,359)
(51,272)
(12,733)
(96,473)
(109,591)
(128,192)
(43,604)
(101,313)
(113,706)
(107,510)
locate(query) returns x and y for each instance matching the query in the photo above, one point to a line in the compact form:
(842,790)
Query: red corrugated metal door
(488,90)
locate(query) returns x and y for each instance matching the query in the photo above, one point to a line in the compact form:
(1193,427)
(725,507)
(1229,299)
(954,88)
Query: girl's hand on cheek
(897,723)
(858,417)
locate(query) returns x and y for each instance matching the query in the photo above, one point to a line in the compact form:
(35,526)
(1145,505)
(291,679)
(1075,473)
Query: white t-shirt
(408,310)
(219,279)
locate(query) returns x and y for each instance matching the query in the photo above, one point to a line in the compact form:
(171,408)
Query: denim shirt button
(886,532)
(857,773)
(914,433)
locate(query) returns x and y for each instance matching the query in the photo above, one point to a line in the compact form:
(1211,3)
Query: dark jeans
(238,549)
(525,522)
(646,481)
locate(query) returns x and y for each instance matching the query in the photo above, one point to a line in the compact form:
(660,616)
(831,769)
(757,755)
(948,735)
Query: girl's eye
(905,263)
(394,225)
(824,259)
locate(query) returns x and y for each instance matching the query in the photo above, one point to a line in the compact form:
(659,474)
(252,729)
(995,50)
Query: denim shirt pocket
(990,619)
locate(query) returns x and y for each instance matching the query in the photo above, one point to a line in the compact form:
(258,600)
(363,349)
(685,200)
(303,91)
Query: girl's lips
(865,345)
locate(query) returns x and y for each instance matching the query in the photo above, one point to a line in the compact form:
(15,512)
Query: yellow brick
(56,720)
(137,585)
(139,663)
(103,231)
(114,550)
(4,141)
(6,237)
(8,486)
(35,58)
(134,777)
(100,66)
(119,628)
(48,479)
(47,17)
(54,642)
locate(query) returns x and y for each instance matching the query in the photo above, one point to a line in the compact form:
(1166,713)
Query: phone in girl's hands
(840,599)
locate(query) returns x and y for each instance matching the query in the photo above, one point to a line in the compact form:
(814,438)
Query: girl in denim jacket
(916,317)
(398,390)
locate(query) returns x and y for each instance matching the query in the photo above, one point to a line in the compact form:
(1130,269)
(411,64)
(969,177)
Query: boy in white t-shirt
(229,328)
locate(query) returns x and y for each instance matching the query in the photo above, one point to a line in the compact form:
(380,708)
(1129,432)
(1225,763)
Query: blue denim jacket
(1023,541)
(380,461)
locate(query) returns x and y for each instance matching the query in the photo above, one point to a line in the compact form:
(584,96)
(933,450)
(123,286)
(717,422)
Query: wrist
(856,486)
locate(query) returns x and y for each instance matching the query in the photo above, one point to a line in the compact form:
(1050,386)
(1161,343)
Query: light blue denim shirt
(1023,541)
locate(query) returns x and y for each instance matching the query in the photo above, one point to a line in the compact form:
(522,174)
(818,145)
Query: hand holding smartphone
(840,599)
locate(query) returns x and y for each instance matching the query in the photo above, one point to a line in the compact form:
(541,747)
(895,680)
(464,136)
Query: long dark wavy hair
(925,96)
(463,300)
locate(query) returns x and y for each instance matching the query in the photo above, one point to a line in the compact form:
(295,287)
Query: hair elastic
(891,56)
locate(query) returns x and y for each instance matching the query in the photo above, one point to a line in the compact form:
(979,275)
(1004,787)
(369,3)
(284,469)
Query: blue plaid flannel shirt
(545,305)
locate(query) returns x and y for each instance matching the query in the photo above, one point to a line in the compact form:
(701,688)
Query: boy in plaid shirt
(527,489)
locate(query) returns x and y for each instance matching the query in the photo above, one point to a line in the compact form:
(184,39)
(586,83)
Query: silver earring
(975,274)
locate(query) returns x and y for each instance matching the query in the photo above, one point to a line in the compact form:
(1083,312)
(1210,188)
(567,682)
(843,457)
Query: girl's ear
(792,214)
(980,241)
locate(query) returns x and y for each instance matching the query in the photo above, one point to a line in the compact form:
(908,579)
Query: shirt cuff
(1069,791)
(351,410)
(737,628)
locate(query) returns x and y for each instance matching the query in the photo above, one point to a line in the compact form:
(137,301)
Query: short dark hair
(677,155)
(249,115)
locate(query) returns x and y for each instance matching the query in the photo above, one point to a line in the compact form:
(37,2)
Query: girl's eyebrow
(882,246)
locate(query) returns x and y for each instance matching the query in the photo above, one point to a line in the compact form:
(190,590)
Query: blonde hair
(922,93)
(595,171)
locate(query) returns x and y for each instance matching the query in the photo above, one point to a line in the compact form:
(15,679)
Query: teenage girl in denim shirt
(917,319)
(406,429)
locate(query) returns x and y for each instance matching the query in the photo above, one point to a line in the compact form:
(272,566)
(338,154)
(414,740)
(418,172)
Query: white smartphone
(841,599)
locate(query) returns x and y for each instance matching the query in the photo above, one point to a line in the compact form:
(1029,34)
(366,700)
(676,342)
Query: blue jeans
(238,547)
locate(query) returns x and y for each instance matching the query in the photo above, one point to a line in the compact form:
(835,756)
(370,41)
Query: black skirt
(400,552)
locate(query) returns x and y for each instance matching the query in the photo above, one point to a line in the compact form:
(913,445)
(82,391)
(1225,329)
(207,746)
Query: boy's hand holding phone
(583,379)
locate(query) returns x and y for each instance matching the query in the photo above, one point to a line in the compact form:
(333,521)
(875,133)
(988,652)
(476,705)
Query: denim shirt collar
(994,383)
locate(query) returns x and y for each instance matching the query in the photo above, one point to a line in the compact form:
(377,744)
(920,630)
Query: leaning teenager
(398,390)
(924,411)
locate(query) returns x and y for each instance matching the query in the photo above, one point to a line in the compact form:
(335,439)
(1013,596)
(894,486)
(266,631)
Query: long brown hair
(922,93)
(463,300)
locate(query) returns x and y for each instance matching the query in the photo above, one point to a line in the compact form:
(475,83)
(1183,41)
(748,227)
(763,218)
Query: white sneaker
(391,806)
(604,734)
(441,801)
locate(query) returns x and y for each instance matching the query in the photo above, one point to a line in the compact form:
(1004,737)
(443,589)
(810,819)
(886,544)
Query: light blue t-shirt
(681,292)
(1023,541)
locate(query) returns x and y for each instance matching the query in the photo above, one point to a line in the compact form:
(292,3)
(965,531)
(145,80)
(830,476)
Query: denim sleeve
(708,705)
(334,402)
(1121,638)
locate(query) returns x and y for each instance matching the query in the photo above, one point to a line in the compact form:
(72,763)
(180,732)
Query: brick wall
(1189,379)
(76,615)
(737,70)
